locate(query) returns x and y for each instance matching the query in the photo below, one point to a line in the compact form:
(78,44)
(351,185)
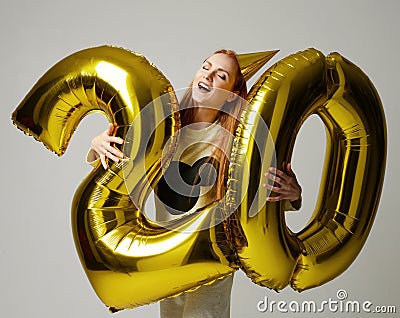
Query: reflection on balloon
(124,253)
(352,179)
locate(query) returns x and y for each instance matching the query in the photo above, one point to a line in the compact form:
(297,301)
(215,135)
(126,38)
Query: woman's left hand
(285,184)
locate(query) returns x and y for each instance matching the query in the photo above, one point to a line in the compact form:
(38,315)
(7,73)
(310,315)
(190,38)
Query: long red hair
(228,119)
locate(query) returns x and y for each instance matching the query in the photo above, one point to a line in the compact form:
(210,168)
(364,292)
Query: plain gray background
(40,273)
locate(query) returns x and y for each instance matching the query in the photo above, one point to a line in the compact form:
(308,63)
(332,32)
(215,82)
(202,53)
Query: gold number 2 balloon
(130,260)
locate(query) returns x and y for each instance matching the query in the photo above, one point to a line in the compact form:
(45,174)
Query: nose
(208,75)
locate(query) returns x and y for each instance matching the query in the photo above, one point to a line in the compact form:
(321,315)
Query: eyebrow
(219,69)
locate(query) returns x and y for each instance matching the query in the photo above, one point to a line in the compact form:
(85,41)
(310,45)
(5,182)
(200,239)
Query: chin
(210,100)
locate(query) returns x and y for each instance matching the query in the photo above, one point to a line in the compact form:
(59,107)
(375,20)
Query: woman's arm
(101,147)
(285,185)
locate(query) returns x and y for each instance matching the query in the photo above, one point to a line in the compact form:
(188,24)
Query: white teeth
(201,85)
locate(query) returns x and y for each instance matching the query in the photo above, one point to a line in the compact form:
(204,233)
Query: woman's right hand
(101,146)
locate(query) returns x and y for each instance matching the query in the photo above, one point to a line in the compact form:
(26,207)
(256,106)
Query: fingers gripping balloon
(123,252)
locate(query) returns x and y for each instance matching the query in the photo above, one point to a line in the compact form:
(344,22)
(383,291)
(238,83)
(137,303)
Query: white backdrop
(40,273)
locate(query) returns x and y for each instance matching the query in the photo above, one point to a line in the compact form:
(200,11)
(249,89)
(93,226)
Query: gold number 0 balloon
(341,94)
(129,260)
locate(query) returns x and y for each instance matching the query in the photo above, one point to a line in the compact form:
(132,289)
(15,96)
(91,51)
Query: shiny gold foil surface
(344,98)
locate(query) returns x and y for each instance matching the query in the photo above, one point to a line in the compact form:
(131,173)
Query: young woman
(209,112)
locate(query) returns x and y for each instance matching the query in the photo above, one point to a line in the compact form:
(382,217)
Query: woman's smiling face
(213,83)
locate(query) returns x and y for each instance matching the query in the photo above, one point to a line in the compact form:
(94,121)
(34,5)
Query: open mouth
(204,87)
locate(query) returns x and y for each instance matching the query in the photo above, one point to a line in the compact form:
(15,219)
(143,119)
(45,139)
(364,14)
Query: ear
(232,96)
